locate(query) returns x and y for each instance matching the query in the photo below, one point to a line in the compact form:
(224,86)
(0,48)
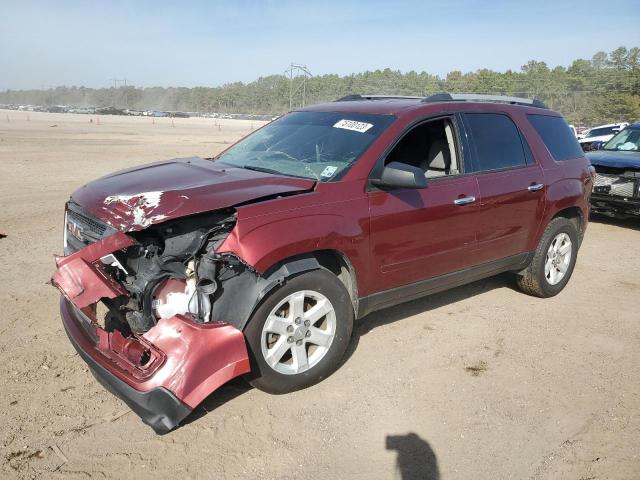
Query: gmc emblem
(74,229)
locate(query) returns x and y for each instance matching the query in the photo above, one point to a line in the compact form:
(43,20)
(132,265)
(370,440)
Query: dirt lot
(478,382)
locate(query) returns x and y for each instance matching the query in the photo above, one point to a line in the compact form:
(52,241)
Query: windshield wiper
(274,172)
(263,170)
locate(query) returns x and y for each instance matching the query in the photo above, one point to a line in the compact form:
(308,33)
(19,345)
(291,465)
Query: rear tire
(299,333)
(553,261)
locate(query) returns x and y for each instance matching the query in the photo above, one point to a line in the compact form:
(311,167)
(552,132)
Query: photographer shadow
(416,459)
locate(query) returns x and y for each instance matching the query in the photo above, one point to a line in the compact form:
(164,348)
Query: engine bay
(171,269)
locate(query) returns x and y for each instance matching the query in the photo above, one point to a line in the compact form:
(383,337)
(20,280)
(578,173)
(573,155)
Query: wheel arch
(566,198)
(334,261)
(240,295)
(576,216)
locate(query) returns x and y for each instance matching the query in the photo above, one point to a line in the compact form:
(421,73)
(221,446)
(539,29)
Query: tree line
(605,88)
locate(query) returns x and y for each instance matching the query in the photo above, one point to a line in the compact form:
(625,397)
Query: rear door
(510,182)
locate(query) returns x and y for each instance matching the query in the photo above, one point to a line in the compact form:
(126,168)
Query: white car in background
(601,134)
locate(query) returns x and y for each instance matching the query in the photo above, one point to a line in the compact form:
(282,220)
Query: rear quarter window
(557,136)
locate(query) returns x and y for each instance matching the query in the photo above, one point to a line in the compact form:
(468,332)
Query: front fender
(267,240)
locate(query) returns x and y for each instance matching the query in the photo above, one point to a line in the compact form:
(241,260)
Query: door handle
(536,187)
(464,201)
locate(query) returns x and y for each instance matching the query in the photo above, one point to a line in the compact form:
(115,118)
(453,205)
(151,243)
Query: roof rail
(474,97)
(357,96)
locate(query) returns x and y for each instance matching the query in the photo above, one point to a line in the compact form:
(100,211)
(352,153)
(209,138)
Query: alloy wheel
(558,258)
(298,332)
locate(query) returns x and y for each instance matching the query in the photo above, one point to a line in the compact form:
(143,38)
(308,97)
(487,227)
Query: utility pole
(126,93)
(116,80)
(299,70)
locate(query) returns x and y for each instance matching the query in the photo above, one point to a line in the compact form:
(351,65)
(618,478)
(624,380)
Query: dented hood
(133,199)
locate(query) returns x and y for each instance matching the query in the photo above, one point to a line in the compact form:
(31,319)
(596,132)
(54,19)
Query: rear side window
(557,136)
(497,141)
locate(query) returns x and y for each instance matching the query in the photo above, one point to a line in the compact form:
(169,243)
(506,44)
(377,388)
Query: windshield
(627,139)
(598,132)
(316,145)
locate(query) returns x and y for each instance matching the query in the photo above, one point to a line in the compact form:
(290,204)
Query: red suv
(183,274)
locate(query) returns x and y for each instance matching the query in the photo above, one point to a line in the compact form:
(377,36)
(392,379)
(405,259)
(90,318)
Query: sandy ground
(481,382)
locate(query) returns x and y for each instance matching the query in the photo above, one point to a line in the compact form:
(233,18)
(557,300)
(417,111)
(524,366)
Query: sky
(210,43)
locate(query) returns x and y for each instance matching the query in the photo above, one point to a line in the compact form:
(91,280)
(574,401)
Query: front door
(423,233)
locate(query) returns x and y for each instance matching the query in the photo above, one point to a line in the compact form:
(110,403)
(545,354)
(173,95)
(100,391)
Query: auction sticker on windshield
(353,125)
(329,171)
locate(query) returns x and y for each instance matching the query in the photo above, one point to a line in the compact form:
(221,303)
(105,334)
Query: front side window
(627,139)
(316,145)
(497,141)
(429,146)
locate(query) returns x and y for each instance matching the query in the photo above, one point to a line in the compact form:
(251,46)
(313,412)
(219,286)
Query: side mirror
(400,175)
(597,145)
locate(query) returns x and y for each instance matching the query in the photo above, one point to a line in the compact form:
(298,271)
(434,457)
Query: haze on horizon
(200,43)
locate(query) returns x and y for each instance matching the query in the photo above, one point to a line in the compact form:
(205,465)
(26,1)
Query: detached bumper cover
(158,407)
(164,373)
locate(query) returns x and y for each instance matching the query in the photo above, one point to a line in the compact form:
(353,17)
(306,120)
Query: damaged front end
(616,191)
(138,307)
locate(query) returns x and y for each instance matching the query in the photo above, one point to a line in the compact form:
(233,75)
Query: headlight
(64,232)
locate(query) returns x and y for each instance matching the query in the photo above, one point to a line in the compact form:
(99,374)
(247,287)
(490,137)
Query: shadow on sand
(416,459)
(632,223)
(239,386)
(425,304)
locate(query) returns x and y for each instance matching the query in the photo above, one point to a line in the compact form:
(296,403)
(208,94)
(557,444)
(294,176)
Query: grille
(613,185)
(83,230)
(96,227)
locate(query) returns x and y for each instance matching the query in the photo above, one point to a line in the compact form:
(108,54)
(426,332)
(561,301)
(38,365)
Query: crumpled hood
(615,158)
(133,199)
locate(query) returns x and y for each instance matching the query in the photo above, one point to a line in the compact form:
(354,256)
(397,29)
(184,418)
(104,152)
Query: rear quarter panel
(567,183)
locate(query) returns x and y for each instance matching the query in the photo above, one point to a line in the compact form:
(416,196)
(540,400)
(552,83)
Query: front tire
(299,333)
(553,261)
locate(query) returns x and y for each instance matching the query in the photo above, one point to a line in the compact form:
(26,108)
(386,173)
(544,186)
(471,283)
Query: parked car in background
(258,261)
(581,131)
(573,130)
(600,134)
(616,186)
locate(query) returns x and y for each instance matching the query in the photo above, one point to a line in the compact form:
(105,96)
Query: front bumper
(615,207)
(157,407)
(162,374)
(616,192)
